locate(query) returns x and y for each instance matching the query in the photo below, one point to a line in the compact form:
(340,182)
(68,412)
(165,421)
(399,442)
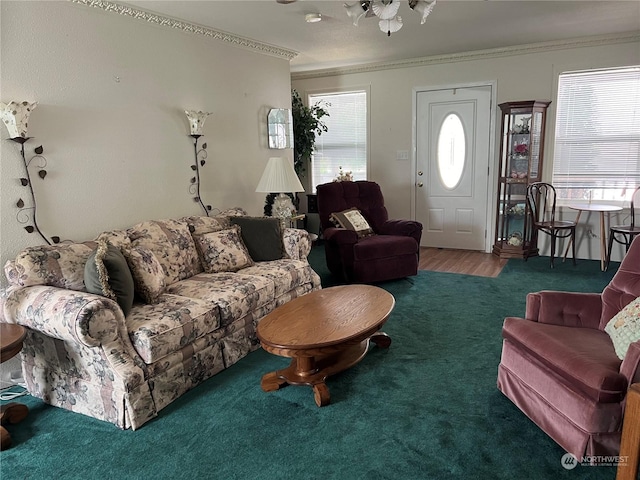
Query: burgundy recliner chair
(389,254)
(560,367)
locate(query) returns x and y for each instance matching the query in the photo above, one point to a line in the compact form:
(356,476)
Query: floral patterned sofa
(81,353)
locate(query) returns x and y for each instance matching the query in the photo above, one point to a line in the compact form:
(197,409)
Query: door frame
(493,182)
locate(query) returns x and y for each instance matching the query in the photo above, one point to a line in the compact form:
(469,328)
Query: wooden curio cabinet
(521,148)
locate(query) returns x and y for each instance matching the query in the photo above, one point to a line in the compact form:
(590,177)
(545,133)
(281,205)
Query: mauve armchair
(389,254)
(560,367)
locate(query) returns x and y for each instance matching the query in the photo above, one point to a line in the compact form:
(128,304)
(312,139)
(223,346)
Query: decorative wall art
(280,124)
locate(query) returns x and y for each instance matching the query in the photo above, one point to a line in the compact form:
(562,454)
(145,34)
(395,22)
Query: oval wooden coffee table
(324,332)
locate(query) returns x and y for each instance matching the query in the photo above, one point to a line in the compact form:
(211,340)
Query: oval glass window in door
(452,147)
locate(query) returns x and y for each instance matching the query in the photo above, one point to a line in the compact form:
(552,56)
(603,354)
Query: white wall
(521,76)
(112,91)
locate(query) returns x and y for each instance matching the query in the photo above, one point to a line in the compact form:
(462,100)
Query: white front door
(452,166)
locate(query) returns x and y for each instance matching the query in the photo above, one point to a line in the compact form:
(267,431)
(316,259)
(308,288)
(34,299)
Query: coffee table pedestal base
(312,367)
(10,413)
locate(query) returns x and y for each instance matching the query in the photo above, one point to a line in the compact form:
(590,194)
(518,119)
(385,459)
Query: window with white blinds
(597,138)
(345,142)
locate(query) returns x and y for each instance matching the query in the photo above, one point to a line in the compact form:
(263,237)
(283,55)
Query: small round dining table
(602,209)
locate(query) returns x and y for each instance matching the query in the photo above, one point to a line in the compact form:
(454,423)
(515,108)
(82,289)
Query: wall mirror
(280,123)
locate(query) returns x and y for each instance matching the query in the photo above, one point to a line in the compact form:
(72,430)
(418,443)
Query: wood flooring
(467,262)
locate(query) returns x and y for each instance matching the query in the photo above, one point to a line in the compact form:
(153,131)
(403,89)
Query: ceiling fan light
(391,26)
(355,12)
(386,9)
(424,8)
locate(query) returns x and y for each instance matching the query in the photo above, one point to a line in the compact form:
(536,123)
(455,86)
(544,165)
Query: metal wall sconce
(196,122)
(15,116)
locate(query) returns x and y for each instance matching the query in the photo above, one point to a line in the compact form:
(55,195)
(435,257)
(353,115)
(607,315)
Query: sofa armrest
(405,228)
(297,243)
(630,367)
(341,236)
(67,315)
(571,309)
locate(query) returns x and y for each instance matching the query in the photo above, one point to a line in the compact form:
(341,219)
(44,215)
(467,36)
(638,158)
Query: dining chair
(624,234)
(541,198)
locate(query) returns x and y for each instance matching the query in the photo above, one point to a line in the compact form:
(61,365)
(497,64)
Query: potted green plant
(307,124)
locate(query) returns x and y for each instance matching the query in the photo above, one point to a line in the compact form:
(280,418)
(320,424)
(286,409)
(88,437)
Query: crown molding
(138,14)
(625,37)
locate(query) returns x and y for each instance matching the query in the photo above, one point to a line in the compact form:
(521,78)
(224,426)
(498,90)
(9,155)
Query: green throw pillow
(262,236)
(106,273)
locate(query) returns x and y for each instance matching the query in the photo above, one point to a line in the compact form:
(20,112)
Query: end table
(11,337)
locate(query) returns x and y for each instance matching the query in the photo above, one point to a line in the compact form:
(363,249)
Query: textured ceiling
(453,27)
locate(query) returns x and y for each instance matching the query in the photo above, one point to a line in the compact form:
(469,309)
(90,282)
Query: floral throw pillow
(223,251)
(352,219)
(147,272)
(624,328)
(199,225)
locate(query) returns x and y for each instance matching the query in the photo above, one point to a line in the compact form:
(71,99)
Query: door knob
(420,184)
(420,173)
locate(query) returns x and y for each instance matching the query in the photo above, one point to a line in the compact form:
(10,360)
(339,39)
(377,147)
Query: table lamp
(280,177)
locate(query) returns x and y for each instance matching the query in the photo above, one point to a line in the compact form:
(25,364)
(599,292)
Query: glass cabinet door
(512,218)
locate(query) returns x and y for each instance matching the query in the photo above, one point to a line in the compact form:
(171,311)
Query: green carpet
(426,408)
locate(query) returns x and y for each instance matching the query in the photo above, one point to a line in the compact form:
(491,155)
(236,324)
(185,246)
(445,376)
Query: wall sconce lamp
(15,116)
(280,177)
(196,122)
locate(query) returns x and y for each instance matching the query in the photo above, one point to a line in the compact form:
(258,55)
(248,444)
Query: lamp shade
(355,12)
(424,8)
(391,26)
(386,10)
(279,177)
(196,120)
(15,116)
